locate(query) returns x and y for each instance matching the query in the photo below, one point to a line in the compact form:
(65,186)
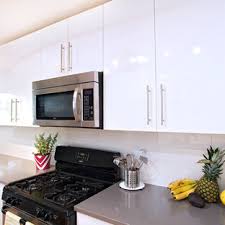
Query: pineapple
(207,186)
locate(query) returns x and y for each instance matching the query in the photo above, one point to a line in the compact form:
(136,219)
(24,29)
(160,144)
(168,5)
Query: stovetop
(50,198)
(59,188)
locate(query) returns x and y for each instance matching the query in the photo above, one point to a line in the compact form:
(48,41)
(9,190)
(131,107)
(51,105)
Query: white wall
(171,156)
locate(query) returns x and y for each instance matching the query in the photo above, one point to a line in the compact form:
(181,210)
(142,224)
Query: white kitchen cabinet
(190,65)
(54,50)
(6,101)
(73,45)
(85,41)
(9,109)
(129,65)
(21,67)
(87,220)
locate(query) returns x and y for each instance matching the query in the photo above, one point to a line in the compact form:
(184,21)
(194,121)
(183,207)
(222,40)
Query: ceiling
(18,18)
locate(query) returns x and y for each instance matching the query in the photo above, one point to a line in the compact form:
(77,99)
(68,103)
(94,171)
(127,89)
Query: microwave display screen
(55,106)
(88,104)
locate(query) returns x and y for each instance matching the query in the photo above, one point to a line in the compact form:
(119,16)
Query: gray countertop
(13,168)
(151,206)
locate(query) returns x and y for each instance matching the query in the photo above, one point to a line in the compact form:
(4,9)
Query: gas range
(50,198)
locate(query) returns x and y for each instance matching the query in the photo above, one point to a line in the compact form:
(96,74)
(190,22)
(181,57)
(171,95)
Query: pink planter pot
(42,161)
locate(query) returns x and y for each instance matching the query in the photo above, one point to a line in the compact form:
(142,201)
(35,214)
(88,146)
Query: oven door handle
(77,105)
(23,215)
(4,209)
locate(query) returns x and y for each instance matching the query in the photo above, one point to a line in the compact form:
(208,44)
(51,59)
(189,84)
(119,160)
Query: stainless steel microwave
(69,101)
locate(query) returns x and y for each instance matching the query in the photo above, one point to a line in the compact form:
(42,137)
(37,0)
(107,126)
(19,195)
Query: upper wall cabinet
(21,63)
(85,42)
(54,50)
(74,45)
(129,65)
(190,65)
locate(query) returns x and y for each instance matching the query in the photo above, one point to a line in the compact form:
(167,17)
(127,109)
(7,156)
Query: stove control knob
(40,212)
(47,216)
(14,202)
(9,200)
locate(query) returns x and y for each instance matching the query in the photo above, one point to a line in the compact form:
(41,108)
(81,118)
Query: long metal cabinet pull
(11,110)
(70,63)
(163,107)
(149,111)
(16,109)
(62,58)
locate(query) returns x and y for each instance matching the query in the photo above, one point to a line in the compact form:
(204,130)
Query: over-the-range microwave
(69,101)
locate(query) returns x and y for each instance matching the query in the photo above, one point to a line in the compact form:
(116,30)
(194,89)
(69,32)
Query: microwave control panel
(88,104)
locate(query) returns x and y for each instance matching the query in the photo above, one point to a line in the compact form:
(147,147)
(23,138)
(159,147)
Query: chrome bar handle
(16,110)
(163,106)
(62,58)
(70,62)
(80,106)
(11,110)
(149,102)
(77,105)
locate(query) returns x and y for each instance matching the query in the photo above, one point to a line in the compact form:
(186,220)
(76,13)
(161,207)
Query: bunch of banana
(180,189)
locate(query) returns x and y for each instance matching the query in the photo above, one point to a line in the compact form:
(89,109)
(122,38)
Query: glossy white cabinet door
(53,50)
(87,220)
(129,65)
(22,66)
(6,97)
(190,65)
(85,47)
(6,109)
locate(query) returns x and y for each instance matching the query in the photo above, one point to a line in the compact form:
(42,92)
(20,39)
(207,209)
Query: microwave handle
(77,107)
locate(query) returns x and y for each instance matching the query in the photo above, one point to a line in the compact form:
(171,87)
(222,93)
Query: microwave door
(58,106)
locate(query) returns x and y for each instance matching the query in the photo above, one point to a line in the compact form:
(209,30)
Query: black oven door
(25,217)
(69,106)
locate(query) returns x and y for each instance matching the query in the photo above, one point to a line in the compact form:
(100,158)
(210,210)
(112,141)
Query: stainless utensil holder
(132,178)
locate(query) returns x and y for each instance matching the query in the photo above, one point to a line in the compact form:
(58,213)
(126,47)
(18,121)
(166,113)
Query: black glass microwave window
(55,106)
(88,104)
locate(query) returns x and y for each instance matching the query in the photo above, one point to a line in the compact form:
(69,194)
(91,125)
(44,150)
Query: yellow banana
(183,189)
(173,184)
(179,183)
(184,194)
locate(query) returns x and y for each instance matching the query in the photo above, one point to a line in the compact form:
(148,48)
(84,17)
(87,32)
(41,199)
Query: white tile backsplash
(171,155)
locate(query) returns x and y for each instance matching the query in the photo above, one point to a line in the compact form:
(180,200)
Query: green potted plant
(43,148)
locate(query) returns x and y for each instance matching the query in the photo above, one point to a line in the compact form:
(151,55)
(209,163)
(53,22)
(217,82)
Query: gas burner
(64,199)
(54,180)
(22,185)
(67,193)
(85,189)
(34,187)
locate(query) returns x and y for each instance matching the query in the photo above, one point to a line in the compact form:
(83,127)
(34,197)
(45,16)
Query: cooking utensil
(143,159)
(136,163)
(129,159)
(120,162)
(132,162)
